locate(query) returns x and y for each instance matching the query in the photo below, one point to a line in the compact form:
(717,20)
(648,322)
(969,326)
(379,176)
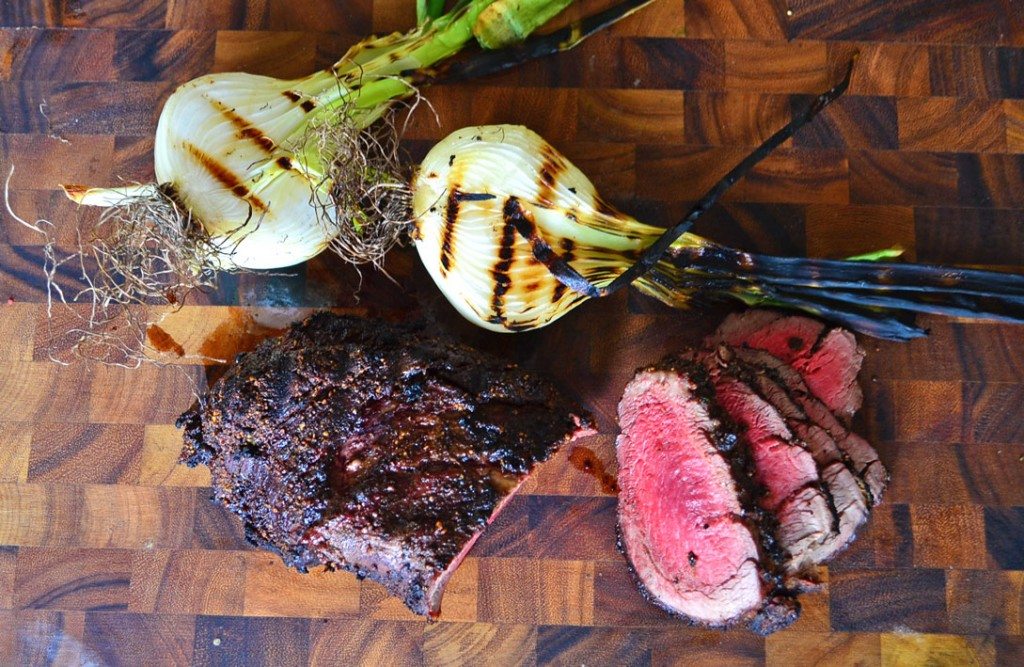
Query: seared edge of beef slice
(678,454)
(827,358)
(365,446)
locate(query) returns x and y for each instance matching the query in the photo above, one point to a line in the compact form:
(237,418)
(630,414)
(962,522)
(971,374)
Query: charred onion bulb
(475,194)
(254,172)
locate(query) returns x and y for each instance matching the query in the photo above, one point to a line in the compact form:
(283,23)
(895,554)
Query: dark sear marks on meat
(828,510)
(793,492)
(734,431)
(829,439)
(364,446)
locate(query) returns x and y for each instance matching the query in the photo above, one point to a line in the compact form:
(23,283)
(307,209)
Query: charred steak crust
(365,446)
(779,607)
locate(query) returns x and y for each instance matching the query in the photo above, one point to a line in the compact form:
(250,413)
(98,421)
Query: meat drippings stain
(240,333)
(584,460)
(162,341)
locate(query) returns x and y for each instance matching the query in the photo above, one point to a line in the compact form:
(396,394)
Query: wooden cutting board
(113,554)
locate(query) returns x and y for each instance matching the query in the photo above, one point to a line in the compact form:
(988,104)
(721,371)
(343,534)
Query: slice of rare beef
(808,525)
(361,445)
(687,527)
(827,358)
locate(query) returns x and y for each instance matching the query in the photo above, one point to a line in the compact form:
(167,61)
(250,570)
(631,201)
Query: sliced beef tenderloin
(816,424)
(687,526)
(846,492)
(827,358)
(365,446)
(794,492)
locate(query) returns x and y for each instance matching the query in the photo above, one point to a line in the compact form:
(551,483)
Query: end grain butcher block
(112,553)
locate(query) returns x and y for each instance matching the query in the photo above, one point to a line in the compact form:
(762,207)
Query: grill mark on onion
(225,176)
(603,207)
(451,218)
(552,166)
(246,130)
(521,326)
(506,255)
(543,253)
(307,104)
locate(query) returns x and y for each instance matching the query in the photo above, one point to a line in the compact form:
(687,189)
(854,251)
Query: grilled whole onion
(516,236)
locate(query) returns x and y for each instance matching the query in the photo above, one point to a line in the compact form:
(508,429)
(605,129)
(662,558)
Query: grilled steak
(845,488)
(685,518)
(828,359)
(360,445)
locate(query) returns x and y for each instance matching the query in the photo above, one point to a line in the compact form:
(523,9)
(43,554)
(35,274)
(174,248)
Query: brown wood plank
(120,638)
(73,579)
(983,602)
(367,642)
(188,582)
(951,124)
(972,21)
(467,643)
(113,553)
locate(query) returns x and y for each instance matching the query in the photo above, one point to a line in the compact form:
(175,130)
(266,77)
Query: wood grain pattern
(111,553)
